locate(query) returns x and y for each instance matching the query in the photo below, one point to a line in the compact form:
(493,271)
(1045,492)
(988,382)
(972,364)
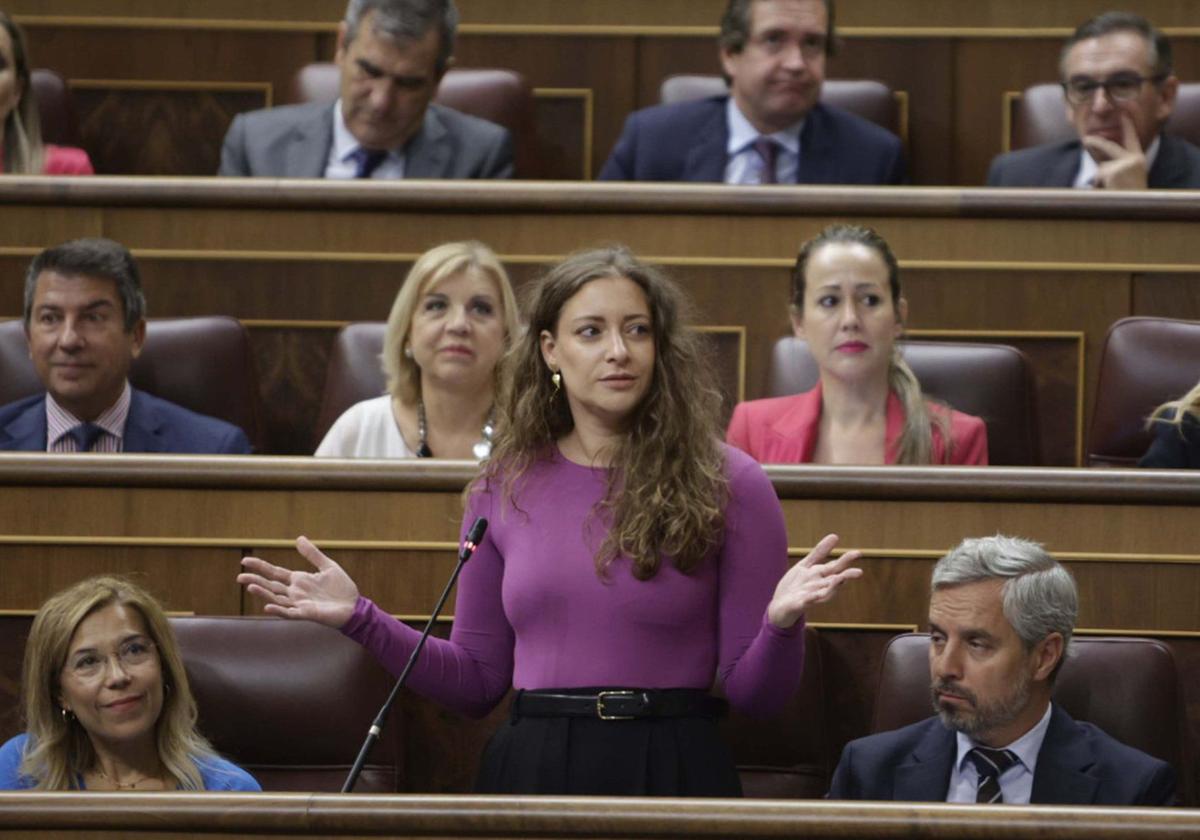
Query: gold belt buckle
(603,695)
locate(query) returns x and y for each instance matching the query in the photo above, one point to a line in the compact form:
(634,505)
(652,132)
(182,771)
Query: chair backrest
(497,95)
(56,108)
(990,381)
(869,99)
(290,701)
(1039,116)
(354,372)
(1145,363)
(203,364)
(1129,687)
(786,757)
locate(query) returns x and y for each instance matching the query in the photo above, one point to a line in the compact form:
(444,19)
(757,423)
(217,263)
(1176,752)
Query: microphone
(473,538)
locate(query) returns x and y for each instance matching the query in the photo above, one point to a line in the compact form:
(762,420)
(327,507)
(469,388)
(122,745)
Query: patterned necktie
(367,161)
(85,435)
(768,150)
(990,764)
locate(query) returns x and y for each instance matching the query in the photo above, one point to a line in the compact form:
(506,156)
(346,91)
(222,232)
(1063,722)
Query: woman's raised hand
(326,596)
(813,580)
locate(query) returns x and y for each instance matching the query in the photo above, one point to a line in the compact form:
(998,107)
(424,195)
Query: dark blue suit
(1177,166)
(686,142)
(153,425)
(1174,447)
(1077,765)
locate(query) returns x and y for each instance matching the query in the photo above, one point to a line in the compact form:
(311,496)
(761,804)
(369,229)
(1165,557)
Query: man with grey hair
(391,56)
(1001,615)
(1119,89)
(85,323)
(771,128)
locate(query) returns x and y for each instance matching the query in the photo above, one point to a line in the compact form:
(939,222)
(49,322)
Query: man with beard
(1001,616)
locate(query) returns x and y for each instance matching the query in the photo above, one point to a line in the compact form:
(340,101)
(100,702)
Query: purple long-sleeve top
(533,613)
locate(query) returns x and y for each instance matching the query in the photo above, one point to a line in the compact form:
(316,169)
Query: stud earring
(408,352)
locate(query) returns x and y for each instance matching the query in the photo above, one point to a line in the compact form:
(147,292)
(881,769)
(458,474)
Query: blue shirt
(1016,783)
(216,773)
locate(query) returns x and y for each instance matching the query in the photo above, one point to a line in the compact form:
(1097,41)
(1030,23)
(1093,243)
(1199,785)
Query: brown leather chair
(56,108)
(1129,687)
(1145,363)
(868,99)
(203,364)
(290,701)
(354,372)
(1039,116)
(785,757)
(991,381)
(497,95)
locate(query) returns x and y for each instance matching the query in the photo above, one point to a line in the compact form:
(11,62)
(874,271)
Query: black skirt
(661,756)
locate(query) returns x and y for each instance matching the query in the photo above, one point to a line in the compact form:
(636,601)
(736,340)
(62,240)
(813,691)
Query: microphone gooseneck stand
(474,536)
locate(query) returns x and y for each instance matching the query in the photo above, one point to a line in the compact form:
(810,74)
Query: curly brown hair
(667,486)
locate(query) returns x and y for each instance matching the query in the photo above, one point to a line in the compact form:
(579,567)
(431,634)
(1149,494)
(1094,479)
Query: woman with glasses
(106,701)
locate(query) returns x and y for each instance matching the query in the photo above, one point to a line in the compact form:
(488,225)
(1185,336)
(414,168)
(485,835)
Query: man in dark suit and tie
(391,56)
(771,128)
(1001,617)
(84,319)
(1120,89)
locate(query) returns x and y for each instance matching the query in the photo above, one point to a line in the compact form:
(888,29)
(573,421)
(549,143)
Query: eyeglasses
(1120,88)
(89,664)
(773,43)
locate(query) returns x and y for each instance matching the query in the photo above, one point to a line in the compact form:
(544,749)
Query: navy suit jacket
(153,425)
(1056,165)
(1174,447)
(1077,765)
(686,141)
(293,141)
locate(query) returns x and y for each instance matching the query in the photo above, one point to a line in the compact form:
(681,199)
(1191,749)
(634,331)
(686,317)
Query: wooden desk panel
(177,815)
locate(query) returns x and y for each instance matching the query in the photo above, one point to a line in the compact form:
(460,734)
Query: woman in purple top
(631,558)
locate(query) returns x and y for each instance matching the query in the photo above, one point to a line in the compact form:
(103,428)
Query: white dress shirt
(341,163)
(744,165)
(1085,179)
(1016,783)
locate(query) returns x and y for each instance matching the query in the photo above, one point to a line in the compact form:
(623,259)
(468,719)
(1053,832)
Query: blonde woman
(449,326)
(21,141)
(867,407)
(106,701)
(1176,428)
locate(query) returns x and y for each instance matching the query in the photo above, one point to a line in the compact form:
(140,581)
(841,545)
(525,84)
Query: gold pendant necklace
(126,785)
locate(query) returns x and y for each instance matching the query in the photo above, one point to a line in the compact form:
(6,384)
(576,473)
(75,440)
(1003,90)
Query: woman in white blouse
(449,326)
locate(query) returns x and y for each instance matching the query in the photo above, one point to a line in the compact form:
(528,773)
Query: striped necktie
(85,435)
(768,150)
(990,764)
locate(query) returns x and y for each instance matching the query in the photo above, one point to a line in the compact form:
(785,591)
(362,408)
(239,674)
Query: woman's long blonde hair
(915,444)
(58,750)
(23,150)
(1174,411)
(667,486)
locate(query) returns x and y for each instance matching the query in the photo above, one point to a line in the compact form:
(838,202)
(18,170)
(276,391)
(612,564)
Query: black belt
(620,704)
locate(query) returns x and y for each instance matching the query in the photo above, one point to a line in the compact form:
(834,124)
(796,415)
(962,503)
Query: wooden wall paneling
(185,577)
(565,123)
(160,128)
(1167,295)
(604,66)
(290,362)
(404,578)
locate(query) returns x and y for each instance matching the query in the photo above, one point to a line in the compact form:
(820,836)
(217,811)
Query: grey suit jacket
(294,141)
(1056,165)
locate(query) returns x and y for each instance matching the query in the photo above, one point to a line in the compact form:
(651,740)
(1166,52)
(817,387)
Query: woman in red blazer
(21,141)
(867,407)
